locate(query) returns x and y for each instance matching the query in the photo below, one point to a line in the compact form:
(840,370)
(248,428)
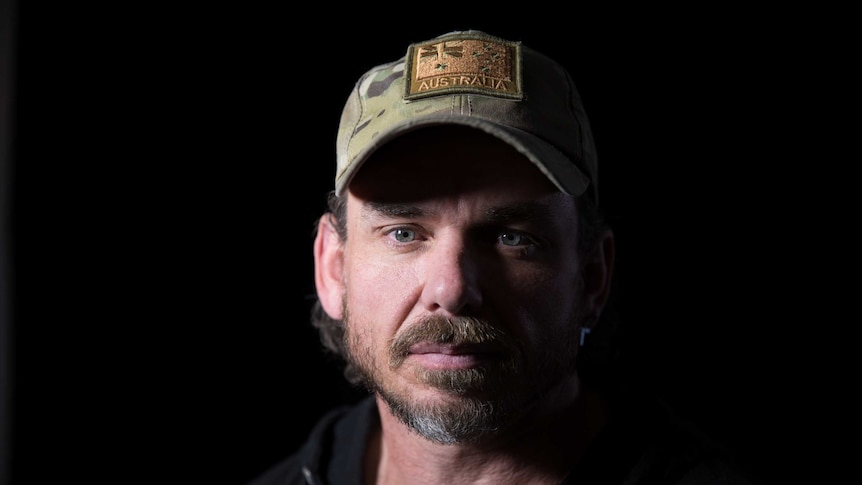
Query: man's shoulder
(647,442)
(717,470)
(335,443)
(286,472)
(679,451)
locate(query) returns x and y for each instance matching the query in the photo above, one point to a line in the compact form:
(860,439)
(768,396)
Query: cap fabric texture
(472,78)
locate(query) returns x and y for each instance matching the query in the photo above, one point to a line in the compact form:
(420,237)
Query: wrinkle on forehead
(496,213)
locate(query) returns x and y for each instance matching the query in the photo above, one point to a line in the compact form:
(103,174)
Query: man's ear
(598,271)
(328,265)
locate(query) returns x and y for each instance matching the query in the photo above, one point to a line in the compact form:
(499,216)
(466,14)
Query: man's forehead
(548,209)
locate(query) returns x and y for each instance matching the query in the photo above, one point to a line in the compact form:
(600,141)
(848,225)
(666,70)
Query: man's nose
(452,278)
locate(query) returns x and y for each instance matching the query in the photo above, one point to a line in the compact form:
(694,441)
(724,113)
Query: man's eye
(404,235)
(512,239)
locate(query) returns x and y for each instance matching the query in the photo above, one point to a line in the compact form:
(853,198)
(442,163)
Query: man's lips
(450,349)
(451,356)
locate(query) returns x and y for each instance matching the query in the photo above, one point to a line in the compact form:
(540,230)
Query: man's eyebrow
(371,209)
(519,212)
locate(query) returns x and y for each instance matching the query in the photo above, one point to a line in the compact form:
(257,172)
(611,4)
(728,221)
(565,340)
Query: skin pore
(463,295)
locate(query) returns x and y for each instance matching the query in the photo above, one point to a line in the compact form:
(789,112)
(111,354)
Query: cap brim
(562,171)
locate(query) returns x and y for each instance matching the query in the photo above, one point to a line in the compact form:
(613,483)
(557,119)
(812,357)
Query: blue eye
(511,239)
(404,235)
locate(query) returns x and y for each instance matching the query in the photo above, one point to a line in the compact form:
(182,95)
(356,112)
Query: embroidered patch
(463,64)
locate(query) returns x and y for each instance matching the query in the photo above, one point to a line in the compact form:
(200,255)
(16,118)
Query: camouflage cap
(472,78)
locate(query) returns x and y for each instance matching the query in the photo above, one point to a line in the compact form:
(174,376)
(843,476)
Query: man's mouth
(451,356)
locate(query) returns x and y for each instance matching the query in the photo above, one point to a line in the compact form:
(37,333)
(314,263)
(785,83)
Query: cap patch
(463,64)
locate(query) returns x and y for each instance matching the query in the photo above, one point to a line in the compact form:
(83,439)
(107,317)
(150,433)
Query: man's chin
(446,417)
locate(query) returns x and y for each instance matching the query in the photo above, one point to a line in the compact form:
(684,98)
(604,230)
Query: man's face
(461,282)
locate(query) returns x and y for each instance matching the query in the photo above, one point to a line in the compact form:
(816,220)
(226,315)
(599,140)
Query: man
(463,272)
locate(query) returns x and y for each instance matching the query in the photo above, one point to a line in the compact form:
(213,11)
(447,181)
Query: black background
(169,162)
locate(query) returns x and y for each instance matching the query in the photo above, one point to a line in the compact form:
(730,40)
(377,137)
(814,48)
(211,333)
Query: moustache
(453,331)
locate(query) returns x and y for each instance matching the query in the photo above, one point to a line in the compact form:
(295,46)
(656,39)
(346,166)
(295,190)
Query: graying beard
(473,420)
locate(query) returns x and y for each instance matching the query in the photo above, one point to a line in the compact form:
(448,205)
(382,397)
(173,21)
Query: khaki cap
(475,79)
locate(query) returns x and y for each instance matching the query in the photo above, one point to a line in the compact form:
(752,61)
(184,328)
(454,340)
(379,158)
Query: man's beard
(482,399)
